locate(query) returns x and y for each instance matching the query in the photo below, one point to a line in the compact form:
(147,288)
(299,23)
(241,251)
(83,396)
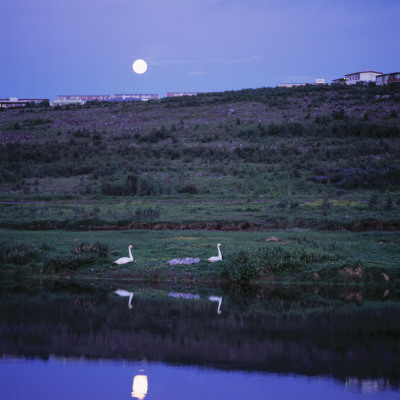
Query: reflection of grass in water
(307,333)
(294,305)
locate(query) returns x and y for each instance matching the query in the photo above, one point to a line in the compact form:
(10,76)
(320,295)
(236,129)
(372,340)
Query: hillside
(309,153)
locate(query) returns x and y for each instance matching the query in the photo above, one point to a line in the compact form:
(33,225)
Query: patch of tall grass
(83,253)
(19,253)
(256,262)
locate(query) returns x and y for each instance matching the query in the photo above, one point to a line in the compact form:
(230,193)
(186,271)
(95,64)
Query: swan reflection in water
(125,293)
(187,296)
(190,296)
(139,387)
(219,299)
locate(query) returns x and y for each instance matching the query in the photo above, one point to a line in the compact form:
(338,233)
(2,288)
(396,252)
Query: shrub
(147,215)
(339,114)
(294,205)
(148,186)
(69,261)
(190,188)
(112,189)
(100,249)
(283,203)
(18,253)
(246,264)
(241,266)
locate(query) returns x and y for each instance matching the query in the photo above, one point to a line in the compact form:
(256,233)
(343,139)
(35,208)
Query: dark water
(64,342)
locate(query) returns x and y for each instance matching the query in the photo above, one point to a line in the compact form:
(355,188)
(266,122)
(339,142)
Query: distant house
(134,97)
(362,76)
(340,81)
(64,100)
(84,97)
(35,101)
(179,94)
(291,84)
(387,79)
(13,102)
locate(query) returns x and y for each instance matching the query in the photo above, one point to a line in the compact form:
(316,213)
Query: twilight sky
(51,47)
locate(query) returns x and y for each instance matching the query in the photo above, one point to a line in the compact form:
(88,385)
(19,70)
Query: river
(123,341)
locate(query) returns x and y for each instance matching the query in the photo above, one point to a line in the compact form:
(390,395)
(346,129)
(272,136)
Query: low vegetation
(273,142)
(298,257)
(325,158)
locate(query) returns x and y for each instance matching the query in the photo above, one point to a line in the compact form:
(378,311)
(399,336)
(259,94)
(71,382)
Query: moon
(139,66)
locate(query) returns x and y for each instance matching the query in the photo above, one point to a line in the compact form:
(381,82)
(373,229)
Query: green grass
(271,159)
(325,254)
(260,211)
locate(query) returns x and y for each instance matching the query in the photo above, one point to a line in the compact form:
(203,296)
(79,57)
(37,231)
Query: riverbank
(296,256)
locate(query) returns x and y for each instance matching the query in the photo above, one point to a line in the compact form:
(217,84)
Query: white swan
(125,293)
(219,299)
(124,260)
(218,257)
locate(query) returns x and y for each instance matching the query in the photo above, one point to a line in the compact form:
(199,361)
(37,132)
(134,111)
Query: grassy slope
(259,149)
(324,157)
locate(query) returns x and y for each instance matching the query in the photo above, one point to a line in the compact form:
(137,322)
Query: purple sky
(51,47)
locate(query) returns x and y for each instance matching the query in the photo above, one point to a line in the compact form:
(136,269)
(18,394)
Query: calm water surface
(63,342)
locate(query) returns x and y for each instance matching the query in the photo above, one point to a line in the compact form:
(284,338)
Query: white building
(386,79)
(291,84)
(13,102)
(65,100)
(362,76)
(134,97)
(179,94)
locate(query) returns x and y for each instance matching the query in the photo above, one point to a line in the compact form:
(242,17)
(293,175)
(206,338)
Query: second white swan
(218,257)
(124,260)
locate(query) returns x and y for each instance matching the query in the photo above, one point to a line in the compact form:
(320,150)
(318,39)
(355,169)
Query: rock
(272,239)
(184,261)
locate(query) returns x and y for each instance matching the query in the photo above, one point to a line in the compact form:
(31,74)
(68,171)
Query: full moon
(139,66)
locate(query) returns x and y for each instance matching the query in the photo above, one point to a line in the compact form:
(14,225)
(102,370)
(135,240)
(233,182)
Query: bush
(18,253)
(147,215)
(148,186)
(97,248)
(241,266)
(246,264)
(69,261)
(112,189)
(190,188)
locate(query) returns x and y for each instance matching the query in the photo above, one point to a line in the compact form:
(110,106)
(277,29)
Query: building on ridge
(179,94)
(13,102)
(362,76)
(134,97)
(387,79)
